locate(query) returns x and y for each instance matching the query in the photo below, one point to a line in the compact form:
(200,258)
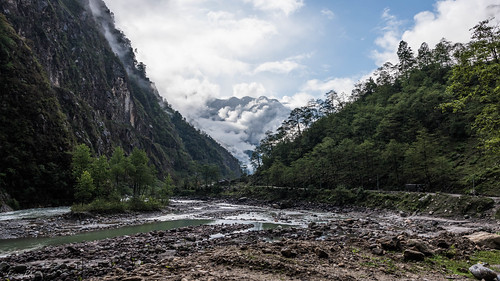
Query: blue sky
(288,49)
(292,50)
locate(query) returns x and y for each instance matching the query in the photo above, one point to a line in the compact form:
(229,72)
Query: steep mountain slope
(67,59)
(431,126)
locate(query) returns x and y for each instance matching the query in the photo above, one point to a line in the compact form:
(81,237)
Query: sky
(291,50)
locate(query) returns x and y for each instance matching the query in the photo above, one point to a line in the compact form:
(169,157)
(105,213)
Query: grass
(103,206)
(461,267)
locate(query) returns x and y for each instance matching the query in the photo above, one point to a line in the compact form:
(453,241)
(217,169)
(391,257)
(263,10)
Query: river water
(192,213)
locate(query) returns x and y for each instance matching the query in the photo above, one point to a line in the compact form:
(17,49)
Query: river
(186,213)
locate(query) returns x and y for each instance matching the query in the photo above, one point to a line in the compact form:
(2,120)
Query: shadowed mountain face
(68,76)
(240,123)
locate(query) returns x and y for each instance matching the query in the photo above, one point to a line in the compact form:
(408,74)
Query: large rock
(390,243)
(483,273)
(421,246)
(486,239)
(412,255)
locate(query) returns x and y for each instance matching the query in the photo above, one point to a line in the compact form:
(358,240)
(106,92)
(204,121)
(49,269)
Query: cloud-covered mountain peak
(240,123)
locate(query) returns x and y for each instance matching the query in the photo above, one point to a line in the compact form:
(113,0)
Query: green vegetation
(441,204)
(120,184)
(63,84)
(34,137)
(461,266)
(429,123)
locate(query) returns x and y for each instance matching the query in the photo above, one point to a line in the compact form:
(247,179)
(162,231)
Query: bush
(101,206)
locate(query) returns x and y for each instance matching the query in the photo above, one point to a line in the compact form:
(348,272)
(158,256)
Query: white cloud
(328,13)
(340,85)
(285,6)
(297,100)
(285,66)
(450,20)
(389,41)
(253,90)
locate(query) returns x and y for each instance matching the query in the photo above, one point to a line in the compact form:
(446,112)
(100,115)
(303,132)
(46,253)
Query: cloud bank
(451,19)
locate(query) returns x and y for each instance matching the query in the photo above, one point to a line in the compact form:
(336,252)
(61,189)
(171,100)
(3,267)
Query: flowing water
(22,244)
(34,213)
(199,213)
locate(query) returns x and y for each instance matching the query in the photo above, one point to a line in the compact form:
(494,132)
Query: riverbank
(320,244)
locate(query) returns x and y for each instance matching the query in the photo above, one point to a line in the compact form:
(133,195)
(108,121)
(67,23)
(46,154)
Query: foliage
(394,134)
(460,266)
(107,182)
(63,83)
(34,137)
(85,188)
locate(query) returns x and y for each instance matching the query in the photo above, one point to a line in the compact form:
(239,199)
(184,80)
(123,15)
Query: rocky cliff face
(83,72)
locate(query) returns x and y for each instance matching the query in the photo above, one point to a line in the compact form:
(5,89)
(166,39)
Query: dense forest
(429,123)
(70,77)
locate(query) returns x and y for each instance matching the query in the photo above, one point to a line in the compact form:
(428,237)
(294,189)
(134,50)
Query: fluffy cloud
(449,20)
(298,100)
(285,66)
(285,6)
(253,89)
(240,123)
(340,85)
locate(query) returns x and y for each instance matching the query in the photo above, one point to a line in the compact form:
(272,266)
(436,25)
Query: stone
(483,273)
(377,251)
(38,276)
(133,278)
(322,254)
(20,268)
(421,246)
(288,253)
(390,243)
(412,255)
(4,266)
(489,240)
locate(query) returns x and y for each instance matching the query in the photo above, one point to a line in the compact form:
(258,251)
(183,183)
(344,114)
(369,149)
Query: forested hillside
(69,77)
(429,123)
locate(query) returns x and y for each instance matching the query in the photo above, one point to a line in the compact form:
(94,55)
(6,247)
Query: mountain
(429,123)
(68,76)
(240,123)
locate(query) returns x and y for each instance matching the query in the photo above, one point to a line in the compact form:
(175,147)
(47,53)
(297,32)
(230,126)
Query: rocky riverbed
(321,244)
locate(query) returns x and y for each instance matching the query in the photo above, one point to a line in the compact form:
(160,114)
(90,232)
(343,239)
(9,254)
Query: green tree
(424,56)
(85,188)
(119,166)
(406,59)
(81,160)
(166,189)
(142,174)
(100,171)
(475,85)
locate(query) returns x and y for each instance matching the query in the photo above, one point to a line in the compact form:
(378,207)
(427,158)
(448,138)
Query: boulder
(421,246)
(486,239)
(412,255)
(483,273)
(390,243)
